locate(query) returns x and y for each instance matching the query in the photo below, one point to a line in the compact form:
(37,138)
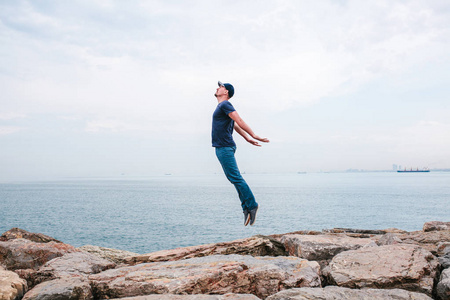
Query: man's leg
(231,170)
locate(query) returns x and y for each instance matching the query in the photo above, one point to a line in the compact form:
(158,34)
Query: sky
(104,88)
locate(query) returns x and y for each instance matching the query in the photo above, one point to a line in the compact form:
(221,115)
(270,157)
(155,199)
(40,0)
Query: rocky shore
(330,264)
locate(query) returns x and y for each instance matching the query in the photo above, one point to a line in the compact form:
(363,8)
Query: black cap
(229,88)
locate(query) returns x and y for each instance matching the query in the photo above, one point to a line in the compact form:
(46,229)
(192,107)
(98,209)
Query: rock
(12,287)
(436,225)
(301,232)
(444,261)
(217,274)
(114,255)
(443,287)
(194,297)
(394,230)
(388,239)
(402,266)
(357,231)
(70,288)
(255,246)
(428,240)
(24,254)
(76,264)
(340,293)
(443,248)
(17,233)
(320,247)
(27,274)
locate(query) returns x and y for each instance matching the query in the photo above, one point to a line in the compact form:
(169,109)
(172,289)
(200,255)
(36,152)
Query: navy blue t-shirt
(223,125)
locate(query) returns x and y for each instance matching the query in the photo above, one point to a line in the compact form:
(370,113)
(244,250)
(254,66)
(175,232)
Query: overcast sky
(103,88)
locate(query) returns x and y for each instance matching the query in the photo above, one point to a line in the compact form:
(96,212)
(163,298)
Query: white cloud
(6,130)
(150,68)
(11,116)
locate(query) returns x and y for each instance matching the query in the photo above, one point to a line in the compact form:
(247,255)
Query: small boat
(414,171)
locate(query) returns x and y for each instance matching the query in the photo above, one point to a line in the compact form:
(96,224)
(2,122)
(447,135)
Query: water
(146,215)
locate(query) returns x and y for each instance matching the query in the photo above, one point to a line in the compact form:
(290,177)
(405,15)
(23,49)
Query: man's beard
(215,95)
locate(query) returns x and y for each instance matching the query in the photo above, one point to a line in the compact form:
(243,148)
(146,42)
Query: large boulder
(443,287)
(340,293)
(24,254)
(17,233)
(76,264)
(255,246)
(70,288)
(217,274)
(436,225)
(402,266)
(321,247)
(194,297)
(115,255)
(12,287)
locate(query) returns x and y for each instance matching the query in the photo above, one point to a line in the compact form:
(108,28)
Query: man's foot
(246,217)
(252,214)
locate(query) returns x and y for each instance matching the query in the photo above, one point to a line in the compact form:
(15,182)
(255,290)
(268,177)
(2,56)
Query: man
(225,119)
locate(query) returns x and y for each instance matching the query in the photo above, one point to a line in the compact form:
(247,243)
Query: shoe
(253,215)
(246,217)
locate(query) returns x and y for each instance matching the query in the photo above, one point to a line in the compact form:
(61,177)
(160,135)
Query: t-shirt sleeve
(227,107)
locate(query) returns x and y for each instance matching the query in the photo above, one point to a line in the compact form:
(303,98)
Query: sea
(148,214)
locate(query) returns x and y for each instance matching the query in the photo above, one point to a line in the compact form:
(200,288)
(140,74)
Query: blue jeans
(231,170)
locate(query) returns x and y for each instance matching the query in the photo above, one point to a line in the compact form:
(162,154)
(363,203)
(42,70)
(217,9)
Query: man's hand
(265,140)
(255,143)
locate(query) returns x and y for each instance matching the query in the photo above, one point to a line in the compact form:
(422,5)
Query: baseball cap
(229,88)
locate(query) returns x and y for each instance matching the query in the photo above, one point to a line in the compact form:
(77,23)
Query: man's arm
(244,135)
(242,128)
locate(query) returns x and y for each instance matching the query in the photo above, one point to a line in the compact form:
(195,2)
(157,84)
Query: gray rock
(444,261)
(402,266)
(69,288)
(217,274)
(12,287)
(340,293)
(114,255)
(443,287)
(321,247)
(24,254)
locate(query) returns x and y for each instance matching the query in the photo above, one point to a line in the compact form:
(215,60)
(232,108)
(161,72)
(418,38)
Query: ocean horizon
(163,212)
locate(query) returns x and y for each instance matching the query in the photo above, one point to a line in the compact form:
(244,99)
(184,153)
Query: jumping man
(225,119)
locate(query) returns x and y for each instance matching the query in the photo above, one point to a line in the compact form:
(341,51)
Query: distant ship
(414,171)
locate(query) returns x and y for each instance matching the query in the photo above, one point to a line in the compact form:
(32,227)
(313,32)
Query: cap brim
(220,83)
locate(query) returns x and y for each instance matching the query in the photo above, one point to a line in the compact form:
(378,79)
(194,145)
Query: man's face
(221,90)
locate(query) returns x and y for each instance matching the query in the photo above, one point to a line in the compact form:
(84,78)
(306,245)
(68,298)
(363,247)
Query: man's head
(228,87)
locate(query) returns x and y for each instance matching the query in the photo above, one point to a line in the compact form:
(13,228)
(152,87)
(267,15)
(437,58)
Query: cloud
(348,76)
(7,130)
(301,52)
(11,116)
